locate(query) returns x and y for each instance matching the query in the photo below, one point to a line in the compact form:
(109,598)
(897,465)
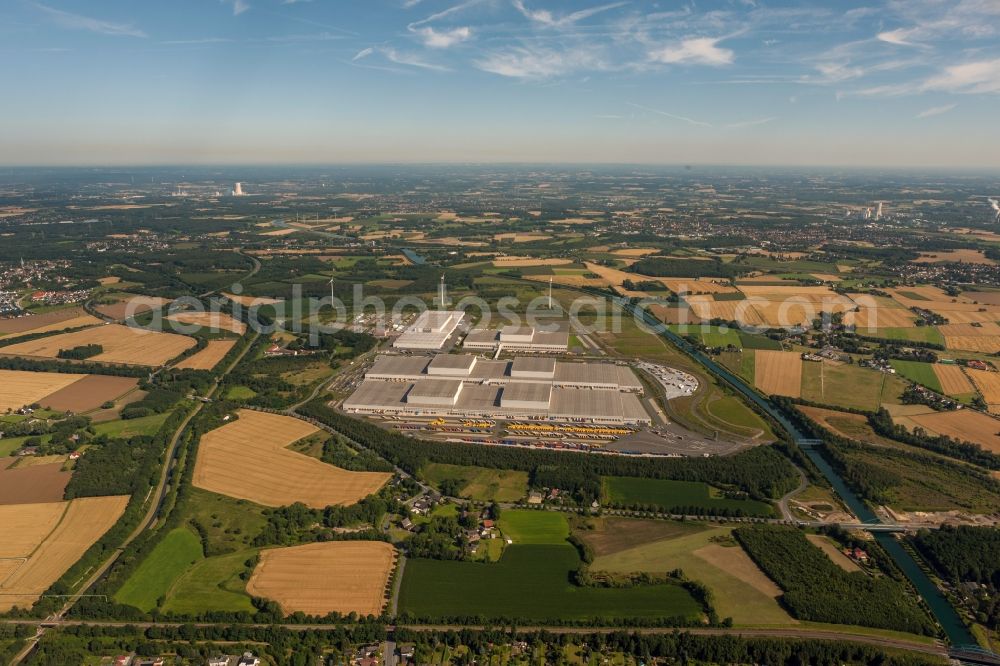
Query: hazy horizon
(888,84)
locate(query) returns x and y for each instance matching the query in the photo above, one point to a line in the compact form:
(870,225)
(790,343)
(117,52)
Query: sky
(911,83)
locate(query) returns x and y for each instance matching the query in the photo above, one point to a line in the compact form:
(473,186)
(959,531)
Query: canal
(956,631)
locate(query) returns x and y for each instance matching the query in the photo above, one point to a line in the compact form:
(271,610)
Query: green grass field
(524,526)
(737,593)
(915,371)
(842,385)
(146,425)
(751,341)
(732,410)
(479,483)
(212,584)
(230,524)
(240,393)
(710,336)
(530,582)
(169,559)
(675,494)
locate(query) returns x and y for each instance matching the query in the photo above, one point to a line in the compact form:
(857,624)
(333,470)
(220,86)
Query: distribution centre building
(467,386)
(431,330)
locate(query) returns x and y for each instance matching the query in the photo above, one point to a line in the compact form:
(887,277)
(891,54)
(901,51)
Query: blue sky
(897,82)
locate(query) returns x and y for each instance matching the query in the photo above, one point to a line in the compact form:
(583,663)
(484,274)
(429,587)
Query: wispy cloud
(200,40)
(547,18)
(696,51)
(521,62)
(673,116)
(239,6)
(750,123)
(454,9)
(363,53)
(972,77)
(411,60)
(899,36)
(442,39)
(936,111)
(80,22)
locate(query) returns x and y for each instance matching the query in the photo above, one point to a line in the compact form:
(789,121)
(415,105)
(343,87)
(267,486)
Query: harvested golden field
(969,330)
(56,320)
(215,321)
(953,379)
(616,278)
(871,318)
(635,251)
(250,300)
(83,521)
(279,232)
(967,256)
(527,262)
(89,393)
(923,292)
(521,237)
(693,286)
(779,292)
(740,311)
(24,526)
(248,459)
(111,279)
(966,425)
(778,373)
(831,550)
(988,344)
(207,358)
(19,388)
(969,316)
(792,312)
(321,578)
(987,383)
(131,305)
(30,483)
(122,344)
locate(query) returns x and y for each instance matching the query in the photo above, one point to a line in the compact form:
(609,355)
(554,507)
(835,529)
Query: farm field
(912,334)
(867,318)
(79,523)
(26,484)
(967,425)
(131,305)
(207,358)
(915,371)
(525,526)
(778,373)
(479,483)
(215,321)
(355,577)
(122,344)
(706,554)
(54,320)
(530,582)
(987,344)
(89,393)
(843,385)
(248,459)
(831,550)
(710,336)
(145,425)
(682,496)
(953,380)
(845,424)
(987,383)
(19,388)
(178,550)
